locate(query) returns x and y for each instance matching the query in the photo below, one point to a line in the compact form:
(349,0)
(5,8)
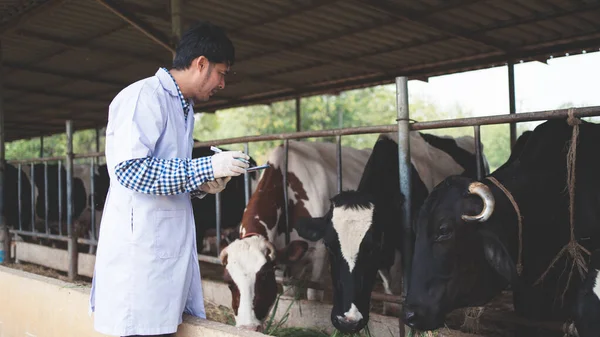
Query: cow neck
(519,221)
(247,235)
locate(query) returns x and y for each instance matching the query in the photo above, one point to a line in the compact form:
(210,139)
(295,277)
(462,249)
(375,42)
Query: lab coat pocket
(169,232)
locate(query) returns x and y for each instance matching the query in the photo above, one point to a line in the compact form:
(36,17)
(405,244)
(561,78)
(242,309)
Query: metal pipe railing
(72,243)
(415,126)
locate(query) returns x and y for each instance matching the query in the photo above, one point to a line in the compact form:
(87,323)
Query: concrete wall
(33,305)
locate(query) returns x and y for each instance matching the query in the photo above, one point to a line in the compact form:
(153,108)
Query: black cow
(467,231)
(233,200)
(363,229)
(586,312)
(11,200)
(78,189)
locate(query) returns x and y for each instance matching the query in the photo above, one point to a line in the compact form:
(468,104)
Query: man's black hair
(204,39)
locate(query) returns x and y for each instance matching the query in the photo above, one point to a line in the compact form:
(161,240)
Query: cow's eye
(444,233)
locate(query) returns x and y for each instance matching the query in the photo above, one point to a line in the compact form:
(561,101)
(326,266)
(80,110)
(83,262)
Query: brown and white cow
(250,261)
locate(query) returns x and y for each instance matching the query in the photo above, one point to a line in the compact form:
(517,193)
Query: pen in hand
(217,150)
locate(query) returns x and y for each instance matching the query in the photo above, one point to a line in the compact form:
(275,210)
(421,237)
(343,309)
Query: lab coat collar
(168,84)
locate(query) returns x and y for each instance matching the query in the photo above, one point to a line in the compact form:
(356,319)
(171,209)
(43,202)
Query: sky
(538,86)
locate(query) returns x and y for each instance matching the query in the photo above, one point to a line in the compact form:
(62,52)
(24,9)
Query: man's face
(210,77)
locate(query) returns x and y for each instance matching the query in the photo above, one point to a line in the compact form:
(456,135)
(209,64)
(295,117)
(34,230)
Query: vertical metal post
(247,176)
(218,225)
(340,112)
(512,102)
(339,162)
(298,115)
(176,23)
(97,139)
(32,174)
(60,198)
(478,159)
(72,243)
(339,146)
(46,205)
(20,195)
(93,193)
(4,235)
(42,146)
(285,192)
(405,180)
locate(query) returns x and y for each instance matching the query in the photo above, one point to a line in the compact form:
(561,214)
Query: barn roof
(66,59)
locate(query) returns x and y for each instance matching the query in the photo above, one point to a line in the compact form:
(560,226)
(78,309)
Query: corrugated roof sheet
(69,58)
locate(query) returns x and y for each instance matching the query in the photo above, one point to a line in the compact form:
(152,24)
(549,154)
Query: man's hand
(216,186)
(226,164)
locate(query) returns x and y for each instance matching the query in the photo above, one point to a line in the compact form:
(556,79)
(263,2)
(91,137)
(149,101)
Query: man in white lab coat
(146,274)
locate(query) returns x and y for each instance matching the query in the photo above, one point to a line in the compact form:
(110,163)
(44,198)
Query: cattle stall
(66,197)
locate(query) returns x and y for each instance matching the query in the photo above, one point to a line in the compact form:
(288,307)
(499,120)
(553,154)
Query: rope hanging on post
(573,247)
(519,221)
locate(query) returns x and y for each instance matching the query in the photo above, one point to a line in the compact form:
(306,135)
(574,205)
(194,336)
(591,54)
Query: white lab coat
(146,273)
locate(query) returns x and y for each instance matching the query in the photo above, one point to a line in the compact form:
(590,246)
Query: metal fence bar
(478,154)
(32,173)
(35,160)
(339,162)
(512,102)
(20,195)
(60,231)
(417,126)
(247,177)
(72,242)
(93,195)
(46,202)
(41,235)
(285,192)
(218,210)
(404,173)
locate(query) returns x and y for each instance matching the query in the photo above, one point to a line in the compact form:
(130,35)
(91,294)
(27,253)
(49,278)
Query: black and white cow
(467,235)
(363,229)
(586,313)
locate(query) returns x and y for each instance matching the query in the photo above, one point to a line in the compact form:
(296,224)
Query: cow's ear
(498,257)
(312,229)
(292,252)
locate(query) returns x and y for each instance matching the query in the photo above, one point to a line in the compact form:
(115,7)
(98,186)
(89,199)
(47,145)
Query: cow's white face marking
(244,259)
(353,315)
(351,226)
(597,284)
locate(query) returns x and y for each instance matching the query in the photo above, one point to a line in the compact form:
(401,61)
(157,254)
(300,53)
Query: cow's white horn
(486,195)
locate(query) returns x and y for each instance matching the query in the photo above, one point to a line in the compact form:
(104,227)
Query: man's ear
(311,229)
(498,257)
(293,252)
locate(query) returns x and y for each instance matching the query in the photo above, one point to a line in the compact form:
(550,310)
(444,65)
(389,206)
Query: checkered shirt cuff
(164,176)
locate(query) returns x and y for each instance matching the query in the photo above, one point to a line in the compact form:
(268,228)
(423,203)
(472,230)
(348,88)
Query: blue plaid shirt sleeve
(152,175)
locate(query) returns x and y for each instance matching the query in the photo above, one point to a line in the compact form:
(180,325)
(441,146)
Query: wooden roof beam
(410,15)
(71,76)
(21,19)
(35,91)
(317,56)
(84,45)
(139,24)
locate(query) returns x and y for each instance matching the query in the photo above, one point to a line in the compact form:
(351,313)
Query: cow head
(354,246)
(459,260)
(250,273)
